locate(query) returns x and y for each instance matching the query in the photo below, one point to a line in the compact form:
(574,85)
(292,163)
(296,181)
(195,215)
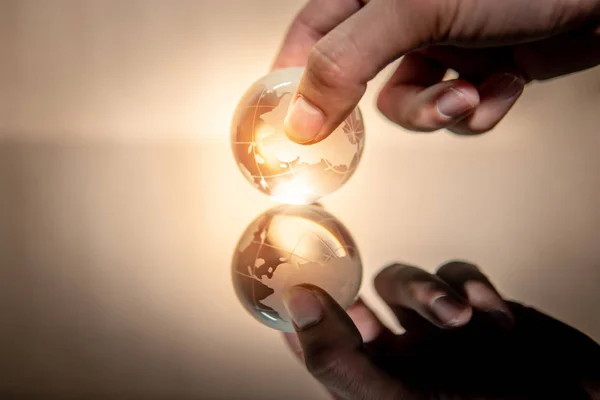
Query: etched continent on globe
(290,172)
(290,245)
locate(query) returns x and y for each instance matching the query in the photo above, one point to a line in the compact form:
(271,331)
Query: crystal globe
(290,172)
(290,245)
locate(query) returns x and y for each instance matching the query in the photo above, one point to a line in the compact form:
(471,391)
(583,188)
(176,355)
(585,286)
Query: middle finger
(420,299)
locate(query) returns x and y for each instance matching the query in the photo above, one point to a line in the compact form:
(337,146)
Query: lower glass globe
(290,245)
(290,172)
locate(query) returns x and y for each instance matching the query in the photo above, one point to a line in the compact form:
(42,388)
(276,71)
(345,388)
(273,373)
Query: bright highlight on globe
(290,245)
(297,242)
(286,171)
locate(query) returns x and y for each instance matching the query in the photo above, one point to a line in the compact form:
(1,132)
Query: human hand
(462,341)
(496,47)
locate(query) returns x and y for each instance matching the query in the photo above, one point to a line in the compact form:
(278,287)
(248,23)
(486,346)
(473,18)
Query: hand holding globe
(287,171)
(290,245)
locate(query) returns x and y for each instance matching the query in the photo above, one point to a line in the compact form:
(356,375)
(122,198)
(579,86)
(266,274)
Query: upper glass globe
(290,245)
(290,172)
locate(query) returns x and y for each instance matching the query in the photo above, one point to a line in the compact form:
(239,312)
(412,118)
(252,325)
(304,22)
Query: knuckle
(454,21)
(457,266)
(385,272)
(329,62)
(404,111)
(387,276)
(461,271)
(343,374)
(323,68)
(417,120)
(400,272)
(422,292)
(436,18)
(326,366)
(482,295)
(401,284)
(447,18)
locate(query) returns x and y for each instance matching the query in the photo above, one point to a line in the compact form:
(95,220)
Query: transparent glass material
(290,245)
(289,172)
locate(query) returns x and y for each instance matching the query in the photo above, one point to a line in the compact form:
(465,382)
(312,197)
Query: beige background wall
(120,204)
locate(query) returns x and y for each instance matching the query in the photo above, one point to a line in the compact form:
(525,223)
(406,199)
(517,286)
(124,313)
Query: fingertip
(414,289)
(502,87)
(303,306)
(498,94)
(312,309)
(383,281)
(486,299)
(304,122)
(449,312)
(456,101)
(468,280)
(429,109)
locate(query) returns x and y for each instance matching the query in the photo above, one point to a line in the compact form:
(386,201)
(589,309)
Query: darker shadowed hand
(462,341)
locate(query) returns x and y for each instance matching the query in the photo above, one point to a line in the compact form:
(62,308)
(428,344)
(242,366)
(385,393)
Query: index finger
(314,21)
(342,63)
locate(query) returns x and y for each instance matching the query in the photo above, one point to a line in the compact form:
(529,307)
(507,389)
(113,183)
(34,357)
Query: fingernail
(303,306)
(448,311)
(453,103)
(304,121)
(503,87)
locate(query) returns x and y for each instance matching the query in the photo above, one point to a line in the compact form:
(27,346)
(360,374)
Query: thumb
(342,62)
(333,348)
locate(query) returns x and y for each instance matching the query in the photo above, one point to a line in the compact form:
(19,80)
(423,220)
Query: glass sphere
(290,172)
(290,245)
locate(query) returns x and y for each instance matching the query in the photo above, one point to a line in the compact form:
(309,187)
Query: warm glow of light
(269,145)
(294,191)
(305,237)
(266,152)
(268,316)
